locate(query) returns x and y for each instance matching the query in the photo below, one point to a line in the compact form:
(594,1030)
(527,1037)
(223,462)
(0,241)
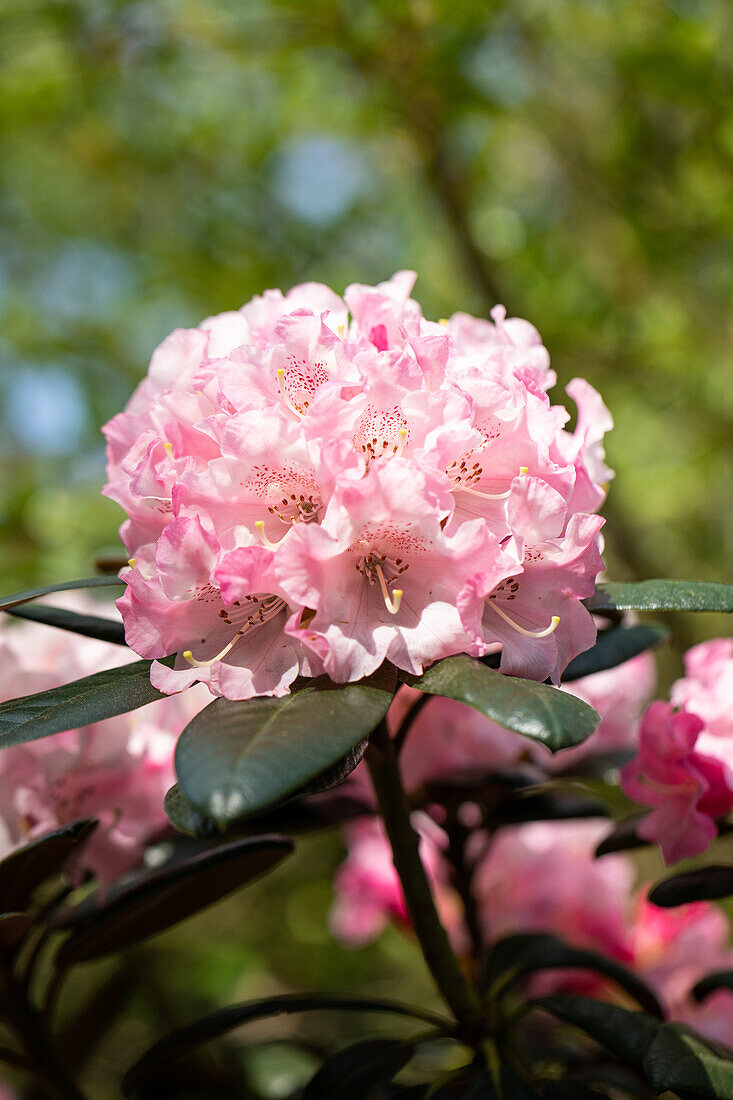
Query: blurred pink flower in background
(414,489)
(684,765)
(116,771)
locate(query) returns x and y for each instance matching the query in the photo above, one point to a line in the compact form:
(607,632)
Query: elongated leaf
(14,927)
(722,979)
(702,884)
(91,699)
(359,1069)
(534,710)
(180,1042)
(680,1061)
(64,586)
(659,595)
(550,805)
(152,902)
(626,1034)
(237,759)
(614,646)
(528,952)
(22,872)
(90,626)
(184,816)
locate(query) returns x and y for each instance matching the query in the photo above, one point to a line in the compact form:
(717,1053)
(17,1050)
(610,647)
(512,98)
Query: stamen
(486,496)
(522,630)
(260,527)
(131,563)
(392,600)
(188,655)
(168,448)
(286,399)
(401,444)
(443,321)
(523,471)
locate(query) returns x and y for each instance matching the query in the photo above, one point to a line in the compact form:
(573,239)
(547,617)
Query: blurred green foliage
(166,159)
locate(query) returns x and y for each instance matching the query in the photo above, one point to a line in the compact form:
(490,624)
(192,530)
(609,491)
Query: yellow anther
(168,448)
(187,655)
(523,471)
(443,321)
(131,563)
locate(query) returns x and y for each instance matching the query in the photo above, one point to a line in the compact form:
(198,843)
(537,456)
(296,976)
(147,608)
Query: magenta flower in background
(684,765)
(315,484)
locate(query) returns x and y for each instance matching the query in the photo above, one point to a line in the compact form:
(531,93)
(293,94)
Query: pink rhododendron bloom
(415,492)
(684,766)
(116,771)
(368,892)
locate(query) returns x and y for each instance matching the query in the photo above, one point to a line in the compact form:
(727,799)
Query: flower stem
(442,963)
(28,1026)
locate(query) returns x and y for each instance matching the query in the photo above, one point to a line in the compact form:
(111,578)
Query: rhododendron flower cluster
(319,484)
(543,877)
(116,771)
(684,766)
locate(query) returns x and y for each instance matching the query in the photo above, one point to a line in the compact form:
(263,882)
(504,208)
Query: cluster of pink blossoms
(538,877)
(684,764)
(116,771)
(316,484)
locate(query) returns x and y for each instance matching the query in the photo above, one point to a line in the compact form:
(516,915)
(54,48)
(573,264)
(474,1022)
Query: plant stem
(442,963)
(28,1025)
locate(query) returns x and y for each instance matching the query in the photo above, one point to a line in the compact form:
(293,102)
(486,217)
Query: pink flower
(684,767)
(397,471)
(116,771)
(367,889)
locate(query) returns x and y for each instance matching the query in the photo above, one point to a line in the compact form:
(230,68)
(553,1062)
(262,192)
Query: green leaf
(184,816)
(179,1043)
(359,1069)
(149,903)
(534,710)
(14,927)
(628,1035)
(722,979)
(680,1061)
(528,952)
(91,626)
(614,646)
(7,602)
(91,699)
(702,884)
(661,595)
(236,759)
(623,837)
(545,805)
(22,872)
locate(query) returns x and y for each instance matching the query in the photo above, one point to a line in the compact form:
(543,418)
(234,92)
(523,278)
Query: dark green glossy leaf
(14,927)
(91,699)
(152,902)
(549,805)
(184,816)
(179,1043)
(539,711)
(660,595)
(722,979)
(623,837)
(528,952)
(237,759)
(336,774)
(64,586)
(680,1061)
(91,626)
(22,872)
(359,1070)
(483,1086)
(614,646)
(702,884)
(628,1035)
